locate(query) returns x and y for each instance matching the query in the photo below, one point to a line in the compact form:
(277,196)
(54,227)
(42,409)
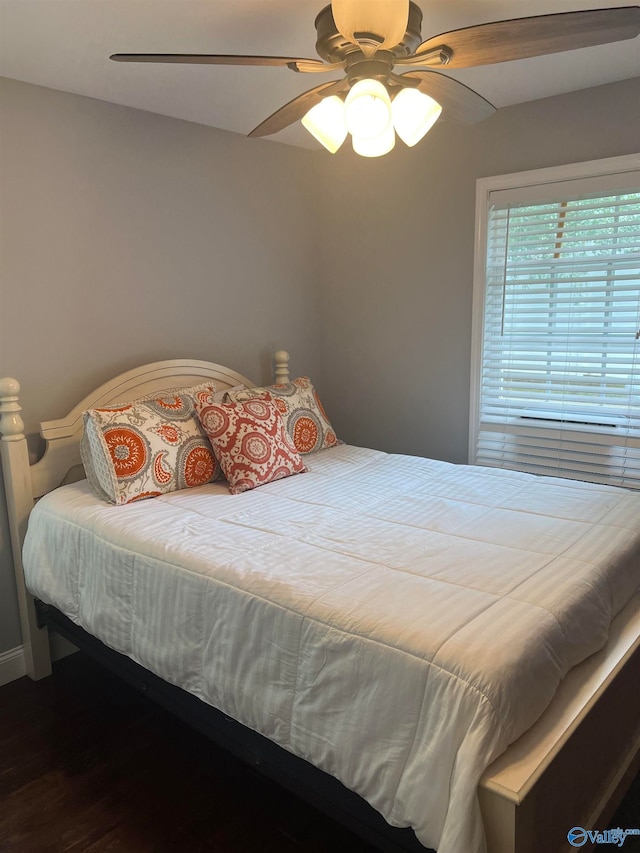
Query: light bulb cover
(414,113)
(367,109)
(385,19)
(326,122)
(374,146)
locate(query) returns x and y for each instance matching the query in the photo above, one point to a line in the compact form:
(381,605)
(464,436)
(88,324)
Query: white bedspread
(394,620)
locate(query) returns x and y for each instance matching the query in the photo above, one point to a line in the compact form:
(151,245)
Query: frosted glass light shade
(414,113)
(374,146)
(386,19)
(325,121)
(367,110)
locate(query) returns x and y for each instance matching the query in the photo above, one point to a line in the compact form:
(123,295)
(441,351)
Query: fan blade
(459,102)
(296,109)
(293,63)
(521,38)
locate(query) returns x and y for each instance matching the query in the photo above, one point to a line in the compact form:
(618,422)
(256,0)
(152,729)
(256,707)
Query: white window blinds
(560,367)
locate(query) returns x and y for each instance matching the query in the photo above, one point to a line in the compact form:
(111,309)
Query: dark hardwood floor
(88,764)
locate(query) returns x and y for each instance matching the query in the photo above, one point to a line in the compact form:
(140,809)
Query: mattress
(397,621)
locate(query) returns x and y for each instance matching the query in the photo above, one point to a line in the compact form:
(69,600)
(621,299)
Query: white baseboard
(12,661)
(11,665)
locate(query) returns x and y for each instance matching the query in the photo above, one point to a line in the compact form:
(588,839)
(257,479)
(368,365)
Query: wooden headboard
(25,483)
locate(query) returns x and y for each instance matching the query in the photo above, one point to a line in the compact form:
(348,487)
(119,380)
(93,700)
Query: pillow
(304,416)
(249,440)
(149,447)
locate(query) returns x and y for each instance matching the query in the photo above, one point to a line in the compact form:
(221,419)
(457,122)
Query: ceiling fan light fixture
(381,21)
(326,123)
(367,109)
(414,114)
(368,38)
(374,146)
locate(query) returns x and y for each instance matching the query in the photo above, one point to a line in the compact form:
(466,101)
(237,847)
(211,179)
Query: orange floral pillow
(147,448)
(249,440)
(303,413)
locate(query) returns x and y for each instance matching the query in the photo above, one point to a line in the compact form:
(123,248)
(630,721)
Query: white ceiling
(65,44)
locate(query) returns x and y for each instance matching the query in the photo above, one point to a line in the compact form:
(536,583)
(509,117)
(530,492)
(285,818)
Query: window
(556,373)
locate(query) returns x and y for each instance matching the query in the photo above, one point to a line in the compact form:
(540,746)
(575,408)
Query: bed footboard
(574,770)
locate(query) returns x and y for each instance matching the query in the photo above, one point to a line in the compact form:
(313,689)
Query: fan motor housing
(332,46)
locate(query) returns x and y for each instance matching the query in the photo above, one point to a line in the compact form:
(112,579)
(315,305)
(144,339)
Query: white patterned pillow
(148,447)
(303,413)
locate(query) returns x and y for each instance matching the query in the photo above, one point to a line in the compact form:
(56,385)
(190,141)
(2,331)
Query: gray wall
(398,269)
(128,237)
(153,238)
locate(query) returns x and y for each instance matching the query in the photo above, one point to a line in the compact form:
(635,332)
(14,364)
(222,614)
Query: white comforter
(394,620)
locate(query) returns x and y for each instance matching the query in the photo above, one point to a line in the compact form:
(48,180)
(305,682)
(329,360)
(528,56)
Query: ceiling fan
(369,39)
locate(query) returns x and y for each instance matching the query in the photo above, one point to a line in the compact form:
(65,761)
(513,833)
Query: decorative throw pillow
(249,440)
(148,447)
(304,416)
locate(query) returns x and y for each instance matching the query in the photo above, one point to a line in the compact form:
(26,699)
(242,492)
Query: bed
(323,662)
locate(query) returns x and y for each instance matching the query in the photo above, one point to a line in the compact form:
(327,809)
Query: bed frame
(570,769)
